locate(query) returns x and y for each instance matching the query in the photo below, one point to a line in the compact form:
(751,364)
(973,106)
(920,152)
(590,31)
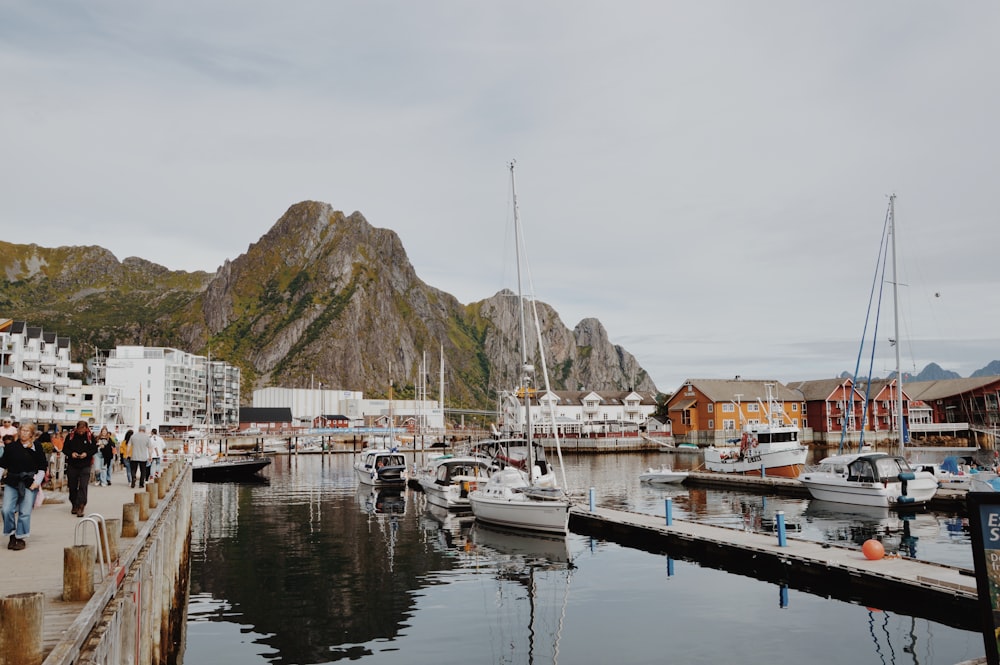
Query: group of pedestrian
(26,465)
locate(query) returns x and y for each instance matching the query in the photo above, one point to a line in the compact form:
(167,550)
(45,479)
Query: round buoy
(872,549)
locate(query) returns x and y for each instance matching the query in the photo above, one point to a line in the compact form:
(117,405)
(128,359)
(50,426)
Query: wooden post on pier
(153,494)
(142,498)
(130,520)
(113,527)
(78,572)
(161,487)
(21,628)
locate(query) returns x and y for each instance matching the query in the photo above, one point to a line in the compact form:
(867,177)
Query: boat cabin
(877,468)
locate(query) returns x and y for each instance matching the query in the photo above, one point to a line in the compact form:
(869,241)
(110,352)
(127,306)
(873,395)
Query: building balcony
(30,356)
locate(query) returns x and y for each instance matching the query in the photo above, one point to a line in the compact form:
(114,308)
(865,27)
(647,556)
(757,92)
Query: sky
(709,179)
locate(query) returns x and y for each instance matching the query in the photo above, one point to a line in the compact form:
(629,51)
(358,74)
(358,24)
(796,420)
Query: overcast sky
(709,179)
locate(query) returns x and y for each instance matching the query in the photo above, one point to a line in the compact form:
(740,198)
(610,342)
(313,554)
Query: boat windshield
(890,467)
(778,437)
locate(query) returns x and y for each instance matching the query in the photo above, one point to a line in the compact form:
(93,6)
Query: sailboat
(868,478)
(523,496)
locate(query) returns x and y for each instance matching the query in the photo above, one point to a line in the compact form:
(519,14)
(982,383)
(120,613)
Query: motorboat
(663,475)
(448,479)
(869,479)
(380,466)
(220,468)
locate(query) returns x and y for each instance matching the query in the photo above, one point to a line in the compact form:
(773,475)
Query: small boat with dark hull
(228,469)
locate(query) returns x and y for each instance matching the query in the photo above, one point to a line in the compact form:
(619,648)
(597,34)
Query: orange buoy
(873,549)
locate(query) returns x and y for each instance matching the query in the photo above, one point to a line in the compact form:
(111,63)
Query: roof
(818,389)
(255,414)
(334,417)
(683,404)
(942,388)
(749,390)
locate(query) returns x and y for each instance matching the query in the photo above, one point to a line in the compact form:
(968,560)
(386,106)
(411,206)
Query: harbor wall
(138,615)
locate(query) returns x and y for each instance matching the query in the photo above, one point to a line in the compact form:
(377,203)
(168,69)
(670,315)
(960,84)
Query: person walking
(80,449)
(125,452)
(157,448)
(106,448)
(25,462)
(140,456)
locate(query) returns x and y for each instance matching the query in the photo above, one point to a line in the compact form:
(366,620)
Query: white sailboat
(876,479)
(528,496)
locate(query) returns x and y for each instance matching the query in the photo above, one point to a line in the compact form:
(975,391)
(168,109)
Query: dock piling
(593,494)
(780,516)
(21,628)
(668,506)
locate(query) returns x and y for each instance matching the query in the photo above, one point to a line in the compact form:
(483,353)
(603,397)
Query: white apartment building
(589,412)
(308,403)
(173,389)
(42,359)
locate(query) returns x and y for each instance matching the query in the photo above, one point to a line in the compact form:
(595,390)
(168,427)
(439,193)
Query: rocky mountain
(322,296)
(993,369)
(934,372)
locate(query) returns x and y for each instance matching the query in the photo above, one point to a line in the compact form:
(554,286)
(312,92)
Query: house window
(753,407)
(729,425)
(728,407)
(711,407)
(795,407)
(711,423)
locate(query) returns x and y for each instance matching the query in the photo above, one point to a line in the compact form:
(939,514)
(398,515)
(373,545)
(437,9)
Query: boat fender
(906,475)
(906,499)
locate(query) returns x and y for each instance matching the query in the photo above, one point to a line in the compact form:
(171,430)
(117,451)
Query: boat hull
(507,500)
(229,470)
(786,463)
(827,487)
(663,476)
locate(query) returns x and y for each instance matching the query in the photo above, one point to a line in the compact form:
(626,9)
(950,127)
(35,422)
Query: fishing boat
(380,466)
(663,475)
(207,468)
(448,479)
(528,496)
(768,448)
(869,479)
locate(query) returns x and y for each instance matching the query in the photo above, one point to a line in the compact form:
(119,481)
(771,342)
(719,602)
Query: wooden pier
(944,499)
(71,627)
(946,594)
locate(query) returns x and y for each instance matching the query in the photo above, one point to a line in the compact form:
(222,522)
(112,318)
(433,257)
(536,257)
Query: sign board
(984,523)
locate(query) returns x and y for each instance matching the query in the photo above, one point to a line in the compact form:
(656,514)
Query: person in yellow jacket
(125,454)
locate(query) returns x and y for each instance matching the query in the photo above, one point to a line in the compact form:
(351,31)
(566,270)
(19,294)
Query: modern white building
(307,404)
(173,389)
(594,412)
(43,359)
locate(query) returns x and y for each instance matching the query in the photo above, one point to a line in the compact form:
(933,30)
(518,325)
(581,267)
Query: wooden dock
(946,594)
(39,567)
(944,499)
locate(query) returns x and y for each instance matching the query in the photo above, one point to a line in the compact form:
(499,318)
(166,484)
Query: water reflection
(310,569)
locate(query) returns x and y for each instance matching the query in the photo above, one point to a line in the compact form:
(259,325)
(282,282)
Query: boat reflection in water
(844,524)
(381,500)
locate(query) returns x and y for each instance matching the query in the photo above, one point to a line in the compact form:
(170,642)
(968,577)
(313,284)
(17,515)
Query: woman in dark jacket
(79,449)
(25,462)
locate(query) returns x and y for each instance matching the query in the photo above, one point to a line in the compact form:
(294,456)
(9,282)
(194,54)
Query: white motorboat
(769,448)
(524,496)
(869,479)
(447,479)
(663,475)
(380,467)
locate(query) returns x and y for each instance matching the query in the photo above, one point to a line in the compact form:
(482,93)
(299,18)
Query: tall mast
(526,369)
(895,313)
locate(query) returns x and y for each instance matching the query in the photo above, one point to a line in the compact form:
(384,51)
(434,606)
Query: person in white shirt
(157,447)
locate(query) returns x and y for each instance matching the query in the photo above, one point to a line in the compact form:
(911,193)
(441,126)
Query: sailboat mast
(525,368)
(895,314)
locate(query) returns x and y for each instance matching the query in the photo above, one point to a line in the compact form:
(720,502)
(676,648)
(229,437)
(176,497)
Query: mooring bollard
(78,572)
(113,528)
(780,515)
(142,498)
(154,494)
(21,628)
(668,505)
(593,495)
(130,520)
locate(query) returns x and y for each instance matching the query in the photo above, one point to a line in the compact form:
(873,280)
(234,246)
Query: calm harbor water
(310,568)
